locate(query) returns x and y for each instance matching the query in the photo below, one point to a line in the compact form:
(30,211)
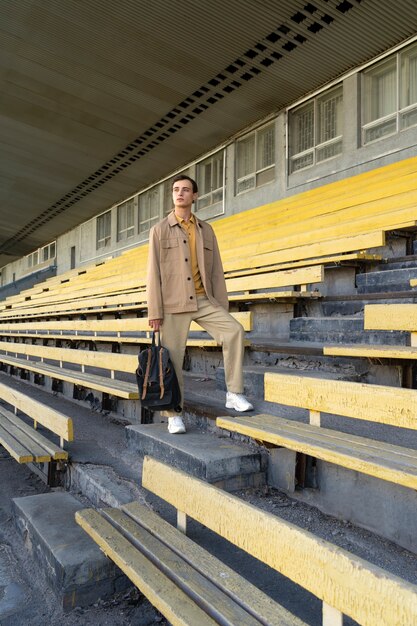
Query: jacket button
(188,278)
(185,241)
(191,297)
(186,259)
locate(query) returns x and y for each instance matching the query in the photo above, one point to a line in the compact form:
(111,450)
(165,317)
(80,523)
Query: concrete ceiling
(100,98)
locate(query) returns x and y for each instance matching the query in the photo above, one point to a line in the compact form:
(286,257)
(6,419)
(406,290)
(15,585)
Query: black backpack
(157,381)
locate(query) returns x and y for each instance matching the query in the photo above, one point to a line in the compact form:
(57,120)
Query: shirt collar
(173,221)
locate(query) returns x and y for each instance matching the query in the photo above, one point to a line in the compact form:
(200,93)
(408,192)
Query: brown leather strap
(146,378)
(161,375)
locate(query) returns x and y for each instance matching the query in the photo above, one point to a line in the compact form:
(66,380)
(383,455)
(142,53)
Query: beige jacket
(170,287)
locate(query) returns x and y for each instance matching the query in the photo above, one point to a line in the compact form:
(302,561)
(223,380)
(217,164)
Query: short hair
(179,177)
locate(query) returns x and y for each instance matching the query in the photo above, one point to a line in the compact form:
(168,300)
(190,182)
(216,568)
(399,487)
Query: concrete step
(76,569)
(398,262)
(388,280)
(353,307)
(215,459)
(342,330)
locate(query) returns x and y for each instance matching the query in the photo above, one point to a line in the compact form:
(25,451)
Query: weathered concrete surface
(75,567)
(200,454)
(13,595)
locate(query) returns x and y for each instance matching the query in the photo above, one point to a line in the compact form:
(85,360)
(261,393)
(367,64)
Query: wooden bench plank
(391,317)
(207,595)
(283,278)
(14,447)
(253,264)
(119,388)
(365,592)
(372,351)
(50,418)
(155,585)
(383,182)
(106,360)
(254,600)
(39,454)
(111,325)
(375,403)
(375,458)
(279,254)
(126,339)
(275,295)
(46,447)
(133,300)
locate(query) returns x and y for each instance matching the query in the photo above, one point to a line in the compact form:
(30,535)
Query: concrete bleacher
(305,277)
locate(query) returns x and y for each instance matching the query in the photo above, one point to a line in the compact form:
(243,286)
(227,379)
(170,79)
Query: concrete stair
(76,569)
(215,459)
(409,261)
(387,279)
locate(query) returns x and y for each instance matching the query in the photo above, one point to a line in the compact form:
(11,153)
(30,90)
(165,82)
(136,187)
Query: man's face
(182,194)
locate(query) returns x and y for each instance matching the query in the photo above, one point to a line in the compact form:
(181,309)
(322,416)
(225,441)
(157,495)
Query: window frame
(105,240)
(123,234)
(397,116)
(313,151)
(256,174)
(153,218)
(219,155)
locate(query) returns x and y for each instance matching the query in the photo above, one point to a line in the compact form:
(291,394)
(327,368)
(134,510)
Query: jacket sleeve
(153,281)
(218,282)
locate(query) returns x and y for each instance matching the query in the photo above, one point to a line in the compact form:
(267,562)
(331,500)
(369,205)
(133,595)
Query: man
(186,283)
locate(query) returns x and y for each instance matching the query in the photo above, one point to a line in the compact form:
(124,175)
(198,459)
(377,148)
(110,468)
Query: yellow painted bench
(377,196)
(397,317)
(373,403)
(346,584)
(266,251)
(96,304)
(262,285)
(22,440)
(253,264)
(265,285)
(99,330)
(187,584)
(21,355)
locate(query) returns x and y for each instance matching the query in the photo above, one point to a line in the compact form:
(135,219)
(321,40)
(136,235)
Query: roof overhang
(100,98)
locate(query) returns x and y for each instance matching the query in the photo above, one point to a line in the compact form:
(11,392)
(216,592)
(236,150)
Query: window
(149,202)
(315,130)
(210,180)
(47,252)
(42,255)
(104,230)
(126,220)
(255,159)
(168,204)
(389,96)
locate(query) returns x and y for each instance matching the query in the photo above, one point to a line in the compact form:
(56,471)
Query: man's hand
(155,324)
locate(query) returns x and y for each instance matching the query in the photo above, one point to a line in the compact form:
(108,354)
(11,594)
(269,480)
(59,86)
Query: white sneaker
(238,402)
(176,425)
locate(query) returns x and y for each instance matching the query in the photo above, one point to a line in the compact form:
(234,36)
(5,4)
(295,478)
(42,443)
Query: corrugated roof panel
(81,82)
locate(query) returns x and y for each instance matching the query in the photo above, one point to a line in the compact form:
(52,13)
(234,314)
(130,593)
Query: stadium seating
(20,436)
(134,538)
(372,403)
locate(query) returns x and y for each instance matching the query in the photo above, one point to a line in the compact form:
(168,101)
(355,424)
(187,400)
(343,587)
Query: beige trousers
(221,326)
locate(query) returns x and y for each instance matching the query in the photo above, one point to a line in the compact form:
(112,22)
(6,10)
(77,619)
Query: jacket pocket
(169,250)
